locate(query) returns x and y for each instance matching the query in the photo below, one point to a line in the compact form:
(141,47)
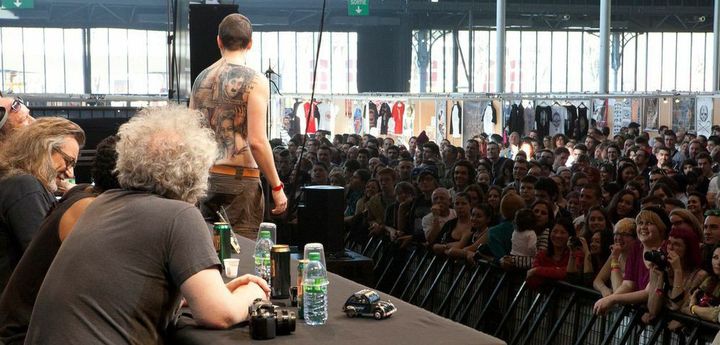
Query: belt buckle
(239,172)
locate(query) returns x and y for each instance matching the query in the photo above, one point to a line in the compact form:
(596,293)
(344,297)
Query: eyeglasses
(16,103)
(69,161)
(713,212)
(623,234)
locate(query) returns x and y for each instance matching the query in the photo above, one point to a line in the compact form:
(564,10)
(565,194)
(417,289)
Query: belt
(238,172)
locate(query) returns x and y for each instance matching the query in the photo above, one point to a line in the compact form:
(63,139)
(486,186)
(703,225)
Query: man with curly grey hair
(119,277)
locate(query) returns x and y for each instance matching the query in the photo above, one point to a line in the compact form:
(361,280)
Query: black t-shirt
(18,299)
(24,202)
(116,279)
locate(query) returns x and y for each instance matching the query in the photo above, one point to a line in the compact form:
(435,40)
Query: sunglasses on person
(16,104)
(69,160)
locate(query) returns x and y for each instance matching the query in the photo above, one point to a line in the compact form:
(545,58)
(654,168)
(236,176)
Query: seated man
(119,278)
(18,299)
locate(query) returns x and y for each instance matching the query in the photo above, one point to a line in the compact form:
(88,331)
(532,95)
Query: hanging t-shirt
(557,122)
(583,123)
(571,121)
(517,120)
(456,119)
(489,119)
(543,116)
(311,117)
(398,111)
(357,123)
(327,116)
(529,117)
(384,116)
(297,126)
(371,113)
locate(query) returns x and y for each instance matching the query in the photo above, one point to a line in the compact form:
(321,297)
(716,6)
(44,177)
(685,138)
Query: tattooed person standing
(234,98)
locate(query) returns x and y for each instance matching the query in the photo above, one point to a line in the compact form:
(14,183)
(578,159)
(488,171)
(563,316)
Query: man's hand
(603,305)
(246,279)
(280,201)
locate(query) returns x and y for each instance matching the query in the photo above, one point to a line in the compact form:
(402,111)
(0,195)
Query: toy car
(367,302)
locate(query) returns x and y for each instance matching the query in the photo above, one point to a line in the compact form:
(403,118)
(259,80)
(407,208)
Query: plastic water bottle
(315,285)
(262,255)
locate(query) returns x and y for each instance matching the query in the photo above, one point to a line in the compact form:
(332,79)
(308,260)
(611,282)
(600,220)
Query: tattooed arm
(259,144)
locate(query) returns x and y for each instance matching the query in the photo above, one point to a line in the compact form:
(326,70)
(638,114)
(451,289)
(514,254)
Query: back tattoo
(221,93)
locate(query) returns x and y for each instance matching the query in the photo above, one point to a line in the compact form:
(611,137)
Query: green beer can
(222,240)
(301,308)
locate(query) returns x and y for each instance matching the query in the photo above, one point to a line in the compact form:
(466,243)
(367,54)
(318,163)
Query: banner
(704,111)
(683,115)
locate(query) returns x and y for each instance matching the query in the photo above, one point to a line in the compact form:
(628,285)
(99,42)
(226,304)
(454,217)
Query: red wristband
(280,187)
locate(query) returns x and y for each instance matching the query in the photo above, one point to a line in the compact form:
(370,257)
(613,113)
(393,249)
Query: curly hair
(103,165)
(166,151)
(29,149)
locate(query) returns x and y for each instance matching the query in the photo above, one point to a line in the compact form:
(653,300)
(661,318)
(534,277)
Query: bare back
(221,92)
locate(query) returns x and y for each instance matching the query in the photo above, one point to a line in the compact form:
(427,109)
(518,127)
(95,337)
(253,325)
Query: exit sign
(356,7)
(15,4)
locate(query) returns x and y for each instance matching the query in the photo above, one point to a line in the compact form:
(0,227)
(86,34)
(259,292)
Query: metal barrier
(497,302)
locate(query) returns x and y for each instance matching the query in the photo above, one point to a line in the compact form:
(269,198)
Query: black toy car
(367,302)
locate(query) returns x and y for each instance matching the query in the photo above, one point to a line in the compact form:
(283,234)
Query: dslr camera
(268,320)
(574,242)
(657,257)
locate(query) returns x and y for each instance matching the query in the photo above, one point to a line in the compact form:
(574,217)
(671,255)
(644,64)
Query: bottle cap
(268,226)
(264,234)
(314,256)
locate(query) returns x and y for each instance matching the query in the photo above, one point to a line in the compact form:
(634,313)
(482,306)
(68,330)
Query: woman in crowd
(553,262)
(456,233)
(652,227)
(545,218)
(476,195)
(661,191)
(505,175)
(578,181)
(614,268)
(372,187)
(559,140)
(697,204)
(480,219)
(626,172)
(596,220)
(623,205)
(673,279)
(573,204)
(683,218)
(494,194)
(607,173)
(706,299)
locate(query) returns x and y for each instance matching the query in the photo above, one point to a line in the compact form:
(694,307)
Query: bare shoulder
(71,216)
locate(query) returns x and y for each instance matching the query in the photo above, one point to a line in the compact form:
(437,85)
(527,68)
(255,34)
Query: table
(409,325)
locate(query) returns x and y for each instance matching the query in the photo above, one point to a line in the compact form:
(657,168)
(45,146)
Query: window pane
(449,44)
(118,61)
(697,73)
(559,61)
(708,64)
(157,62)
(286,65)
(683,61)
(491,66)
(527,82)
(591,63)
(463,61)
(34,63)
(544,62)
(629,59)
(54,58)
(668,65)
(323,70)
(352,64)
(641,62)
(12,61)
(574,61)
(482,51)
(512,61)
(254,57)
(654,61)
(305,49)
(137,61)
(99,61)
(74,70)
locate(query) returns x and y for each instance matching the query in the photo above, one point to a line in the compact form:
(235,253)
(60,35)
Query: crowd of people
(633,215)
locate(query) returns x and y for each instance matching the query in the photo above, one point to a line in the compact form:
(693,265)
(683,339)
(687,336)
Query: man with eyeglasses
(14,114)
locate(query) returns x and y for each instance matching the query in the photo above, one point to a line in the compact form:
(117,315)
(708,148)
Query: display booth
(458,117)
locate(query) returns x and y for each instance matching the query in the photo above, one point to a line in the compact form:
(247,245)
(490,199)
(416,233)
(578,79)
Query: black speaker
(321,218)
(204,21)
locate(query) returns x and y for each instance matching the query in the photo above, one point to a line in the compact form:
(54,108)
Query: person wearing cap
(14,114)
(653,225)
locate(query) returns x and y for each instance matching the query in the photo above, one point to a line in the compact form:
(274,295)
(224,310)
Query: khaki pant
(242,199)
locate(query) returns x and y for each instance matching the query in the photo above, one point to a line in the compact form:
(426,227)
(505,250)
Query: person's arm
(601,278)
(259,145)
(215,305)
(434,229)
(654,289)
(616,270)
(71,215)
(26,214)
